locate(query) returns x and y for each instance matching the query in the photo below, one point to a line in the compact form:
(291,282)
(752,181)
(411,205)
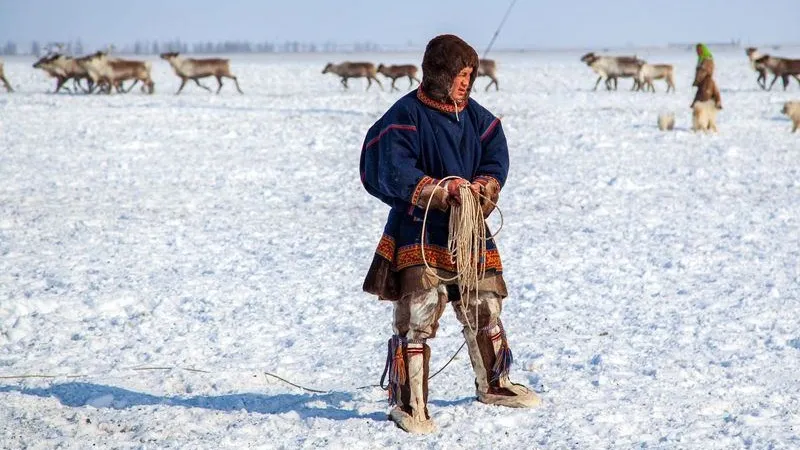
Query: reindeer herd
(612,68)
(707,99)
(347,70)
(99,72)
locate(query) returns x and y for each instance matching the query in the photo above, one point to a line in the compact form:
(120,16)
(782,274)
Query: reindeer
(649,72)
(4,80)
(781,67)
(488,68)
(112,72)
(195,69)
(349,69)
(395,72)
(613,67)
(96,78)
(63,68)
(753,54)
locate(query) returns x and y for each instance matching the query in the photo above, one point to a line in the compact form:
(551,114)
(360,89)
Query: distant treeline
(142,47)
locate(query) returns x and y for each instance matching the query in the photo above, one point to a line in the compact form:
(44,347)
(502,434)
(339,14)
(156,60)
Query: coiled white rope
(466,243)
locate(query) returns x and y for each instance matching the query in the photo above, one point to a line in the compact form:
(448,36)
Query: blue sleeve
(389,159)
(494,158)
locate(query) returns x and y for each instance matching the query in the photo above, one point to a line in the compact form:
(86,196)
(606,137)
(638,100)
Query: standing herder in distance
(704,78)
(431,133)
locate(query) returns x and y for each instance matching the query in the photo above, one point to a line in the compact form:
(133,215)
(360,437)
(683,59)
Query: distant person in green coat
(705,62)
(704,78)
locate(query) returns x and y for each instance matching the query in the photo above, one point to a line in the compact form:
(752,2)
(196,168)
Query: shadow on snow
(326,406)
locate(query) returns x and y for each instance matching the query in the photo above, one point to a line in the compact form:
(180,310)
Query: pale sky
(532,23)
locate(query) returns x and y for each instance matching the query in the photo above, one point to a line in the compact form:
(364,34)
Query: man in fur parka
(431,133)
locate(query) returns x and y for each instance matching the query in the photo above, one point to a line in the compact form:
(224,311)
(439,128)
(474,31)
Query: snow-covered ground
(159,253)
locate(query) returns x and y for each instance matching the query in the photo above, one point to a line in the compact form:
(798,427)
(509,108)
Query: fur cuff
(424,181)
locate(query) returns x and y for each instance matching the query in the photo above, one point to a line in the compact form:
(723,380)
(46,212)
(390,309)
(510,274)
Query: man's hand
(487,191)
(437,196)
(454,190)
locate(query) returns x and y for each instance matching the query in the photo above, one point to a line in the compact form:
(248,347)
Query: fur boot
(409,367)
(491,359)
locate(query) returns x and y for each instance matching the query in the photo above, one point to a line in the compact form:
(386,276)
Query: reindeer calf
(4,80)
(349,69)
(395,72)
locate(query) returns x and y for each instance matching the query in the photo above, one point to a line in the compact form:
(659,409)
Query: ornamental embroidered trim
(444,107)
(386,247)
(437,257)
(424,181)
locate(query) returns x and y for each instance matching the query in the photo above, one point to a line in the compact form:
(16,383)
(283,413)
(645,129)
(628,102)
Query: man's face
(458,91)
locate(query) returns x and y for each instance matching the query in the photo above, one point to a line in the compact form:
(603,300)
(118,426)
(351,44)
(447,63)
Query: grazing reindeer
(395,72)
(353,70)
(753,54)
(195,69)
(488,68)
(4,80)
(613,67)
(781,67)
(63,68)
(112,72)
(649,72)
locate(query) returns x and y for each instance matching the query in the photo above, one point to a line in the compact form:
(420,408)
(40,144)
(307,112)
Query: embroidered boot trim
(395,368)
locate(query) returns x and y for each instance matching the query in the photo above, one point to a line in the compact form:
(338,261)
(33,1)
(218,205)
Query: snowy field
(159,253)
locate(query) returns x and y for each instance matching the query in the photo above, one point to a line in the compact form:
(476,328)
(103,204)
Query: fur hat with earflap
(445,56)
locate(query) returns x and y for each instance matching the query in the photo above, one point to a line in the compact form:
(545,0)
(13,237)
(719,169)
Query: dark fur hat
(445,56)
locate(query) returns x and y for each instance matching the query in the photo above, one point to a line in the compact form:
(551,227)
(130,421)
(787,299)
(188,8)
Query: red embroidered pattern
(386,247)
(437,257)
(444,107)
(424,181)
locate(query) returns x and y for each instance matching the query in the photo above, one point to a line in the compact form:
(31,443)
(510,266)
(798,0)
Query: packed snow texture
(159,254)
